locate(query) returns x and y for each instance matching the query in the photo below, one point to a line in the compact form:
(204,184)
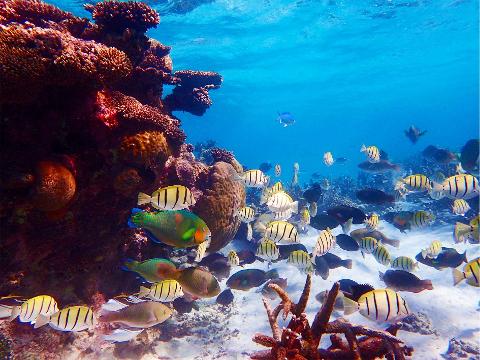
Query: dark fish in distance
(313,193)
(438,155)
(334,261)
(341,160)
(380,167)
(401,220)
(374,196)
(343,213)
(286,249)
(448,258)
(350,289)
(225,298)
(383,155)
(378,235)
(250,278)
(323,221)
(400,280)
(286,119)
(265,167)
(347,243)
(321,267)
(272,294)
(246,257)
(469,156)
(413,134)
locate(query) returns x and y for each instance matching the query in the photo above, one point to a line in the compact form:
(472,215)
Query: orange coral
(145,149)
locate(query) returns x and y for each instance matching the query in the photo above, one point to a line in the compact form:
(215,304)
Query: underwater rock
(461,349)
(222,196)
(418,323)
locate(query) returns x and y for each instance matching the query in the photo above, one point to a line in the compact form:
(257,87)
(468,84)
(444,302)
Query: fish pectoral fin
(188,234)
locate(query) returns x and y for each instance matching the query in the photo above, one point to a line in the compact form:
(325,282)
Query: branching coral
(300,340)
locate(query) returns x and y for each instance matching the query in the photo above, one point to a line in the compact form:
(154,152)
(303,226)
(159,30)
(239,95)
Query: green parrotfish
(152,270)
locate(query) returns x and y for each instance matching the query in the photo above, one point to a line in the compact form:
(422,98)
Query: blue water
(351,72)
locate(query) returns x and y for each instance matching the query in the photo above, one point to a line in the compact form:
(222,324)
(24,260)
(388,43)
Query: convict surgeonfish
(164,291)
(404,263)
(175,197)
(278,170)
(372,222)
(471,273)
(253,178)
(279,231)
(246,214)
(460,186)
(301,260)
(328,158)
(368,244)
(381,254)
(33,307)
(73,318)
(415,183)
(178,228)
(233,259)
(372,152)
(139,315)
(433,249)
(281,201)
(421,219)
(267,250)
(460,207)
(379,305)
(325,242)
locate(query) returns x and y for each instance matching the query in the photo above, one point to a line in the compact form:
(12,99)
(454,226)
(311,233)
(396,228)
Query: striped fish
(417,183)
(201,250)
(368,244)
(281,231)
(372,222)
(372,152)
(246,214)
(381,254)
(325,242)
(254,178)
(421,219)
(471,273)
(164,291)
(300,259)
(175,197)
(305,216)
(282,215)
(269,191)
(460,186)
(73,318)
(379,305)
(233,259)
(460,207)
(267,250)
(278,170)
(328,158)
(281,201)
(404,263)
(313,209)
(433,250)
(30,309)
(7,303)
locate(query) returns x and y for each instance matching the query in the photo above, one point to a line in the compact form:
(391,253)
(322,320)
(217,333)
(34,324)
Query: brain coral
(145,149)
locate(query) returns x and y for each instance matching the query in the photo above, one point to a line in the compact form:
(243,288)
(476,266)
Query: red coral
(116,16)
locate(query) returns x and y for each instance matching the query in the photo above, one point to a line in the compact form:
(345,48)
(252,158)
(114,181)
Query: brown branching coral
(300,340)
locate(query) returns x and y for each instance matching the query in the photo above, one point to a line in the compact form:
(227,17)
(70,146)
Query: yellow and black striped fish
(201,250)
(305,216)
(460,186)
(267,250)
(379,305)
(433,249)
(463,232)
(233,259)
(325,242)
(404,263)
(471,273)
(417,182)
(281,231)
(164,291)
(33,307)
(368,244)
(421,219)
(278,170)
(282,215)
(73,318)
(372,152)
(372,222)
(301,260)
(254,178)
(175,197)
(460,207)
(281,201)
(246,214)
(381,254)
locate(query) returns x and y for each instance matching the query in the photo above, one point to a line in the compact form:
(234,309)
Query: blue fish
(286,119)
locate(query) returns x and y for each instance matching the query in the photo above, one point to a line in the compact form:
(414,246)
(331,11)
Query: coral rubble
(300,340)
(83,129)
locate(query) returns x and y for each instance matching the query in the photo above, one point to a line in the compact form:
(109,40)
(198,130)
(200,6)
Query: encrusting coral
(300,340)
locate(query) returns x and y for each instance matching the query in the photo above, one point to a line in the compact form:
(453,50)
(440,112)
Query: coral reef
(460,349)
(300,339)
(83,128)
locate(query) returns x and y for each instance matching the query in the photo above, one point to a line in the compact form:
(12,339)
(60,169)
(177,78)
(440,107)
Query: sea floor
(226,332)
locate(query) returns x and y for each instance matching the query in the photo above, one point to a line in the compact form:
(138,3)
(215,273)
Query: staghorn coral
(145,149)
(300,339)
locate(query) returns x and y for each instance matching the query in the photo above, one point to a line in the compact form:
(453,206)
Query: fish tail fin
(436,187)
(347,264)
(130,223)
(143,292)
(349,306)
(427,284)
(416,266)
(294,207)
(465,257)
(15,313)
(129,264)
(363,148)
(424,253)
(41,321)
(347,225)
(460,230)
(457,276)
(260,227)
(363,254)
(143,199)
(395,243)
(272,274)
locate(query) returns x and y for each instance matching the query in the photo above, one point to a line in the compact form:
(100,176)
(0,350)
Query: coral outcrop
(83,129)
(300,340)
